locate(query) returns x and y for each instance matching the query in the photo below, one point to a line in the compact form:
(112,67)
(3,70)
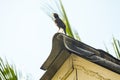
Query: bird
(60,24)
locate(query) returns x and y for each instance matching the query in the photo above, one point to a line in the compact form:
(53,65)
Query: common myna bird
(59,22)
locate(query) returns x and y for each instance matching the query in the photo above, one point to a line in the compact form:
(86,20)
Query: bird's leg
(61,30)
(58,30)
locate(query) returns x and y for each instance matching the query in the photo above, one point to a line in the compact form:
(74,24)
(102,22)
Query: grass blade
(116,46)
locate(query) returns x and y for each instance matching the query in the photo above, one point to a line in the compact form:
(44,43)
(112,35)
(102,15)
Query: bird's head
(55,15)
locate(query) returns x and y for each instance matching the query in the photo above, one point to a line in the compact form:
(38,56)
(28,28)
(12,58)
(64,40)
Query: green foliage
(66,21)
(7,71)
(69,31)
(116,46)
(57,7)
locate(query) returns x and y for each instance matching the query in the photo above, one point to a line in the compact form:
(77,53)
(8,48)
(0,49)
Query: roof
(63,46)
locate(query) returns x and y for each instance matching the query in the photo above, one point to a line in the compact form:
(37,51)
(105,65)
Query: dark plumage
(59,22)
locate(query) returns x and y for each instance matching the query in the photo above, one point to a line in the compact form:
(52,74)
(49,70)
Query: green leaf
(66,21)
(57,7)
(106,48)
(7,72)
(116,46)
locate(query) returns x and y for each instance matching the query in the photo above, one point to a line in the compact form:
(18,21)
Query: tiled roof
(63,46)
